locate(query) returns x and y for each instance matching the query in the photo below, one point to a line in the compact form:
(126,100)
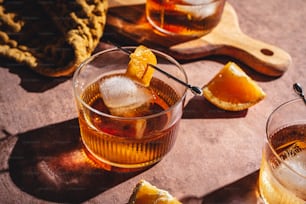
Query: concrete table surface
(216,156)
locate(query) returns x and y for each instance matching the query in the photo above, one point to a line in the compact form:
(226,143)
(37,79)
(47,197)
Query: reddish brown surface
(216,156)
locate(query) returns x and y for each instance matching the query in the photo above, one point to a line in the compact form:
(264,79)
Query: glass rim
(267,134)
(166,56)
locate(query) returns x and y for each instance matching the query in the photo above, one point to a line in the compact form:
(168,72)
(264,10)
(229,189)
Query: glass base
(172,34)
(109,166)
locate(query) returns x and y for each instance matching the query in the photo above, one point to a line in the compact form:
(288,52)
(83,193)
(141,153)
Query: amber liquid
(277,183)
(112,141)
(173,17)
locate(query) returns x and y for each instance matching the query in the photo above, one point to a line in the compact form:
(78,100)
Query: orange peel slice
(139,68)
(145,193)
(232,89)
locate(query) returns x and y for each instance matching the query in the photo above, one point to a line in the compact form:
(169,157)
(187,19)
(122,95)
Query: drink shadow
(244,190)
(50,164)
(198,107)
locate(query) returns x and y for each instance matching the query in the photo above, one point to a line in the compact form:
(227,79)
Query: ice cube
(199,11)
(123,96)
(196,1)
(294,180)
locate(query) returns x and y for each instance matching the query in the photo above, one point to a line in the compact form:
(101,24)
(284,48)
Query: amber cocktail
(139,127)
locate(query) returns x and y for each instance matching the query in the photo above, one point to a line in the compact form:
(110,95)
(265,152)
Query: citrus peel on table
(146,193)
(232,89)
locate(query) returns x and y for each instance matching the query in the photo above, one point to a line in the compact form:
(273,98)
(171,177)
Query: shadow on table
(29,80)
(49,163)
(199,107)
(245,190)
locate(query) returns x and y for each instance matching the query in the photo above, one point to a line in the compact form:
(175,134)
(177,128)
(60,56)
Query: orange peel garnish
(139,68)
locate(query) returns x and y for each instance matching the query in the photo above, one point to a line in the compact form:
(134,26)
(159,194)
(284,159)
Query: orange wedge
(138,68)
(145,193)
(232,89)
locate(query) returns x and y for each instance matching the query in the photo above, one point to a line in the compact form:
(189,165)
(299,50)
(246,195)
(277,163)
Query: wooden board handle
(228,39)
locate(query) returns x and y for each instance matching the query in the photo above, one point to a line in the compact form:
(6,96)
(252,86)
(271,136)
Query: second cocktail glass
(193,18)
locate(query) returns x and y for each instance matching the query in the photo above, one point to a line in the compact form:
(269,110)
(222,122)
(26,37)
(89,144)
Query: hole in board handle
(266,52)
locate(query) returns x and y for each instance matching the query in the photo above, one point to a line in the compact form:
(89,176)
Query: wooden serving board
(225,39)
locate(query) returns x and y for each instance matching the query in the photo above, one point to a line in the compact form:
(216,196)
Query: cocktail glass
(192,18)
(282,176)
(140,136)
